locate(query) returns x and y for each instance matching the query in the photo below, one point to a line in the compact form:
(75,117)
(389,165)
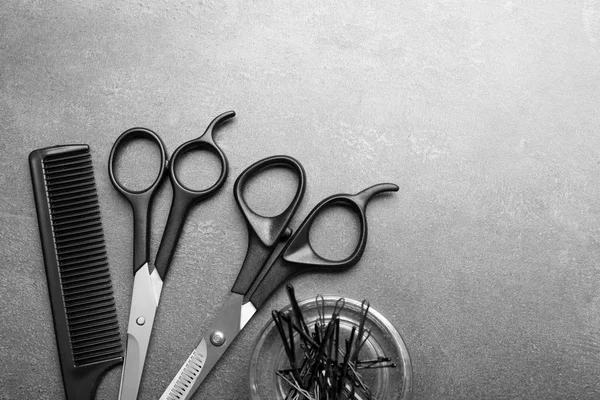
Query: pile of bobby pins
(323,366)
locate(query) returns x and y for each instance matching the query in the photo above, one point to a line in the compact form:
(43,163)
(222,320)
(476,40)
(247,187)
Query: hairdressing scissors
(257,280)
(147,286)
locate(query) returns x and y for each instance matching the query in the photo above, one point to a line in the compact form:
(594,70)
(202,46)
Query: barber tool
(79,283)
(147,284)
(257,280)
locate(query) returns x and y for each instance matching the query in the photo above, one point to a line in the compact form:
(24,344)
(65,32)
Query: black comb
(79,283)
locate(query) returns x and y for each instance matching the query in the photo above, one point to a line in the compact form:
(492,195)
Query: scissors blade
(146,295)
(230,321)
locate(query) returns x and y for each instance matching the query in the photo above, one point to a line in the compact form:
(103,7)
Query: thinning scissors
(257,279)
(147,286)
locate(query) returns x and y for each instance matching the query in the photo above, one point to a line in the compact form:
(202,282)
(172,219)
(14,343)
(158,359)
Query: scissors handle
(139,199)
(264,232)
(298,255)
(183,197)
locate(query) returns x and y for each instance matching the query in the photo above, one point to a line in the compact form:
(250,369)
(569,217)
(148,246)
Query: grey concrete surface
(484,113)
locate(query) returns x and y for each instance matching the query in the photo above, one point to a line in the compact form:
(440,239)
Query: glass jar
(269,354)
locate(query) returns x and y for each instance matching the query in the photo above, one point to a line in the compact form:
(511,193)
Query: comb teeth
(81,257)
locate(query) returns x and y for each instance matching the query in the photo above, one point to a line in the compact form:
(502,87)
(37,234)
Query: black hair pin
(330,367)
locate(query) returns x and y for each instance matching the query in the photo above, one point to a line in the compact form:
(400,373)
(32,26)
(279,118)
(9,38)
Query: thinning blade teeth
(186,378)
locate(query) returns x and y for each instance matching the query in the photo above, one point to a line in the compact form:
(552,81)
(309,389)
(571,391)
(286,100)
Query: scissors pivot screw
(217,338)
(140,321)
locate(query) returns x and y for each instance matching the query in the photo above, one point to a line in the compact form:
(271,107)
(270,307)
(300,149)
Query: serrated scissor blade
(230,321)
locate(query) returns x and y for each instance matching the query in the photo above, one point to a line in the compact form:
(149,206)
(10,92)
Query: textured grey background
(484,113)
